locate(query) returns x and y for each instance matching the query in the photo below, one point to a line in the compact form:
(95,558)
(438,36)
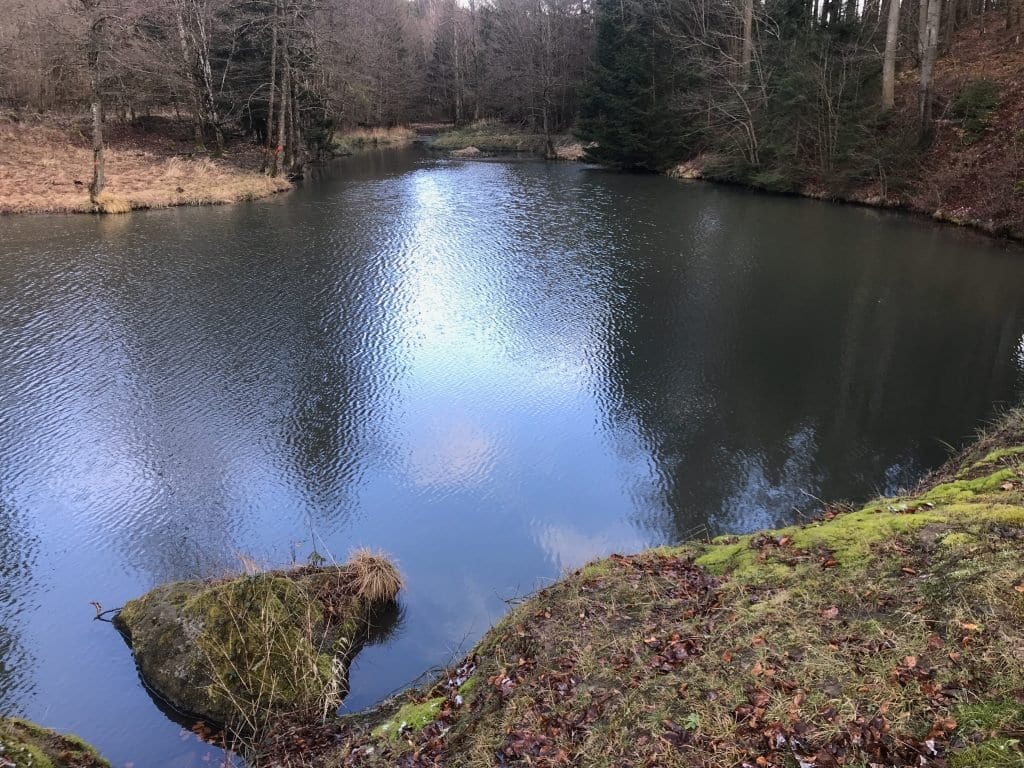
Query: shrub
(974,106)
(775,180)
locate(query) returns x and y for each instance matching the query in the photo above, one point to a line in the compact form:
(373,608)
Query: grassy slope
(891,635)
(48,168)
(24,745)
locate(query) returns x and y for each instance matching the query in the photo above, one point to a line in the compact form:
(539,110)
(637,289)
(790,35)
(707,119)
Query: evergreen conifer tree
(627,109)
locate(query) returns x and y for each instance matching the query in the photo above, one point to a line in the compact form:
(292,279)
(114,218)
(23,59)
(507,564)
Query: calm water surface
(494,371)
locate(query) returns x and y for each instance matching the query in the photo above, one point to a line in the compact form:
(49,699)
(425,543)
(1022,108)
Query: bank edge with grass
(26,745)
(889,634)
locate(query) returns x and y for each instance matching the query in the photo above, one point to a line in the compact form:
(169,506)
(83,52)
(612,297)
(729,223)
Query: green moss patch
(26,745)
(410,717)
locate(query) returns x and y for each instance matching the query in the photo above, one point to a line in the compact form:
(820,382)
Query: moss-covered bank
(889,635)
(26,745)
(244,651)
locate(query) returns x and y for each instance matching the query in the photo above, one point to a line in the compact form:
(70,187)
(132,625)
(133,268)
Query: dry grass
(373,576)
(495,137)
(491,136)
(47,169)
(356,139)
(266,650)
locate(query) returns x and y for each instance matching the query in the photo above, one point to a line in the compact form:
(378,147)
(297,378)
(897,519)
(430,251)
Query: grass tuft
(374,576)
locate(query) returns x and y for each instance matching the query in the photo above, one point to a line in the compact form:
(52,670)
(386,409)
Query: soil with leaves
(890,635)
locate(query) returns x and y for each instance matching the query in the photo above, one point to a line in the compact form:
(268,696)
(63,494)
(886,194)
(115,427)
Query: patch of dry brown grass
(356,139)
(374,577)
(46,169)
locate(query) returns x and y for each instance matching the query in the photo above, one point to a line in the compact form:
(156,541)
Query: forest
(777,92)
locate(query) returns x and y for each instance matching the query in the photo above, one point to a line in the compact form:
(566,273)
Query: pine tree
(626,109)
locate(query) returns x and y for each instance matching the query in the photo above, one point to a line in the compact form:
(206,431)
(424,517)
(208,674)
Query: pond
(494,371)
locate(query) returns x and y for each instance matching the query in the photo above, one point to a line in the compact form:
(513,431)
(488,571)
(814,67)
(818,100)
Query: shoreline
(493,140)
(888,632)
(690,172)
(186,180)
(151,163)
(884,633)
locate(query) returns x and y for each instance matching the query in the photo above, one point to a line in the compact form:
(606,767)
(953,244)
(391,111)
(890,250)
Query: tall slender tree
(892,28)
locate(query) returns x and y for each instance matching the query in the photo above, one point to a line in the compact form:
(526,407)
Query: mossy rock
(245,651)
(26,745)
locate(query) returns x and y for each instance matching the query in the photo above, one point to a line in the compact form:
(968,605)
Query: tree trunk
(889,57)
(458,72)
(952,12)
(281,121)
(210,98)
(99,168)
(922,27)
(273,88)
(747,54)
(186,62)
(928,56)
(549,145)
(295,134)
(96,22)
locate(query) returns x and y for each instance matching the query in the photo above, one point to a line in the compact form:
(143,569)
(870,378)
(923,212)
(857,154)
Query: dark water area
(494,371)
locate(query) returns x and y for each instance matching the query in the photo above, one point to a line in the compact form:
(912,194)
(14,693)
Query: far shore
(47,168)
(152,163)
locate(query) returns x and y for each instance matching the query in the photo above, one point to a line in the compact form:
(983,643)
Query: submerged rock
(26,745)
(244,651)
